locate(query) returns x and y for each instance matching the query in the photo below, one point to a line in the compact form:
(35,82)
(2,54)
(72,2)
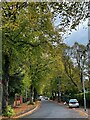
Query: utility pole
(82,57)
(84,94)
(83,80)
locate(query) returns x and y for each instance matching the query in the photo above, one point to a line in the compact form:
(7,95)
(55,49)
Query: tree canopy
(34,57)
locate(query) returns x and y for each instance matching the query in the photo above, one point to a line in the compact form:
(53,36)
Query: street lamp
(83,78)
(83,55)
(82,71)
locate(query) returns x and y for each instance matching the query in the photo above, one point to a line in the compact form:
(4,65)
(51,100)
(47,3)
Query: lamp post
(83,78)
(82,57)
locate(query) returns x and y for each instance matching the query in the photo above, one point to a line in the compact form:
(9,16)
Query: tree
(79,54)
(29,35)
(69,14)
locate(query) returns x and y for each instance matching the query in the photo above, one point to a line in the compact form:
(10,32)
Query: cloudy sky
(80,35)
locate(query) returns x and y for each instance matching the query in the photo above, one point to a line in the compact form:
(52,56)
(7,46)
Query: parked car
(39,98)
(73,103)
(46,98)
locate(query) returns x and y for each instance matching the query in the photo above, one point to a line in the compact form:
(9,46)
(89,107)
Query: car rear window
(73,100)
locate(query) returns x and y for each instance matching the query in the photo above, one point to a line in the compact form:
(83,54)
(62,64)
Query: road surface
(50,109)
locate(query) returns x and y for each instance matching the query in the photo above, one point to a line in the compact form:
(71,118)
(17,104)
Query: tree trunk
(58,96)
(26,94)
(35,95)
(31,94)
(5,95)
(5,81)
(81,77)
(53,95)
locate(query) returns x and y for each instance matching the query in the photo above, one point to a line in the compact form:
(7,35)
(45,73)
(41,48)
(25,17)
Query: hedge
(80,98)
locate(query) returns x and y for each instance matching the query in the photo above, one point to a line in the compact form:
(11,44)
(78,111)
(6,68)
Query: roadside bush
(80,98)
(28,103)
(33,103)
(88,99)
(9,111)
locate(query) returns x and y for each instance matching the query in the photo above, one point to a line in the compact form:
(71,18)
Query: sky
(80,35)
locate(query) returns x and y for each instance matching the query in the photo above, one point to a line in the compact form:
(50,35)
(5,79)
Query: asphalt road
(50,109)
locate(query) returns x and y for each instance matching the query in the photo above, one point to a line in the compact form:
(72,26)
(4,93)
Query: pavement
(80,110)
(53,109)
(23,110)
(50,109)
(83,112)
(30,111)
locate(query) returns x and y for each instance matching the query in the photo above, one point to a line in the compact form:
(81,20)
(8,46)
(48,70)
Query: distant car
(46,98)
(73,103)
(39,98)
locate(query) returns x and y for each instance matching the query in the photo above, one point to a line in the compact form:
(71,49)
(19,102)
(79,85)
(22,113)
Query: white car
(73,103)
(46,98)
